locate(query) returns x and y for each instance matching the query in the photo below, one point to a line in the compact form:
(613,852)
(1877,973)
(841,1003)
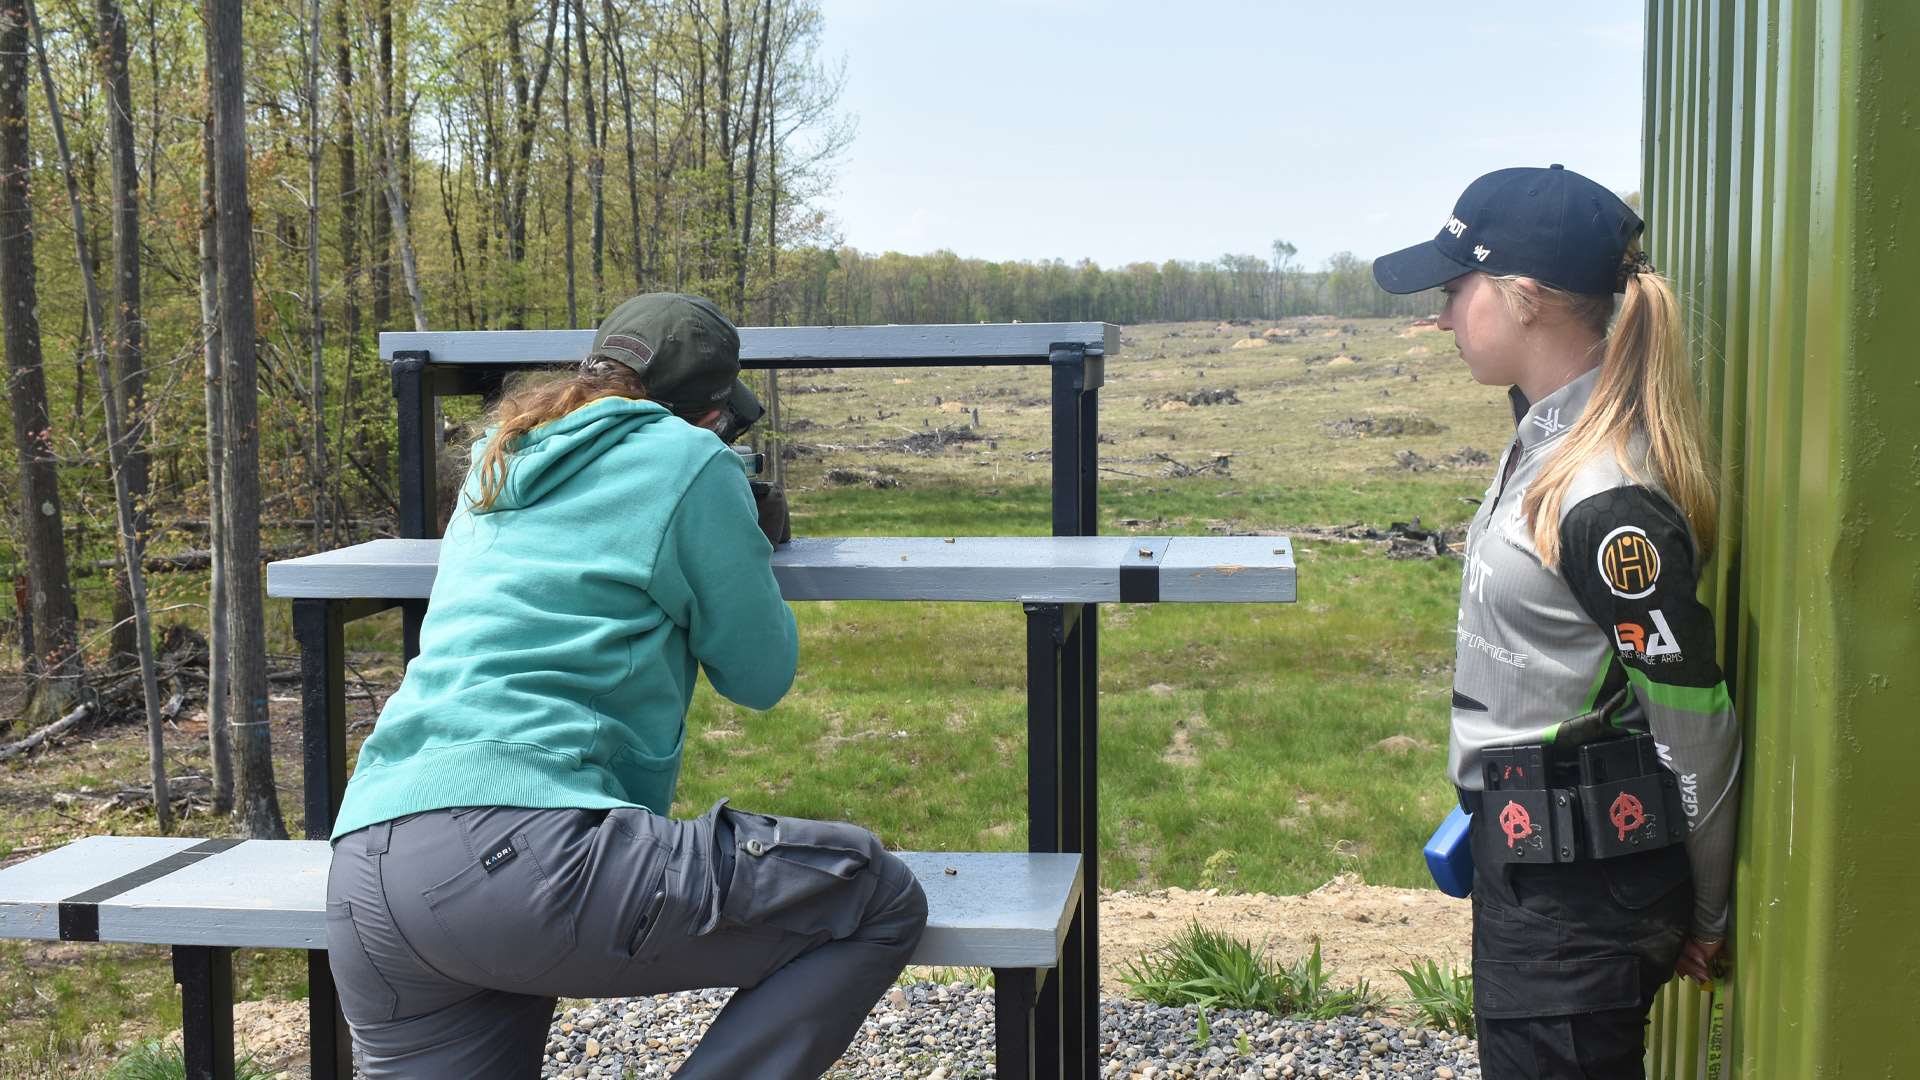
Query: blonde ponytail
(1645,386)
(527,405)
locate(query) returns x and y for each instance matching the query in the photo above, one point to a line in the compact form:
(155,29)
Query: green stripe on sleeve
(1706,700)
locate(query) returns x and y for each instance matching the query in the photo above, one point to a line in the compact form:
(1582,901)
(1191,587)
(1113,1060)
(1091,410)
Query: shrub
(1214,970)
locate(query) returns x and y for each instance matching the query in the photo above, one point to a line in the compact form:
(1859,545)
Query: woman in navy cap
(1593,738)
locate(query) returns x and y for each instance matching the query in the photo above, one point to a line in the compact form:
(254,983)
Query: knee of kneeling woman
(897,914)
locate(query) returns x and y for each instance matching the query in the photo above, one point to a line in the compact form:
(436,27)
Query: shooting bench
(205,898)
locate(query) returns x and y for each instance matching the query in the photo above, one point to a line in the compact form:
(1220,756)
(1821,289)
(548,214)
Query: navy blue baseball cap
(1551,224)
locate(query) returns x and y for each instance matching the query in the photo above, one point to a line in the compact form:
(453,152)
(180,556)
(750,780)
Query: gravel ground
(932,1032)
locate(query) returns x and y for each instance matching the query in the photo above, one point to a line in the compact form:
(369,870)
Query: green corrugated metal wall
(1782,193)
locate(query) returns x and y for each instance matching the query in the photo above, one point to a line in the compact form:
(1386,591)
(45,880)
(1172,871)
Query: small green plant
(1313,992)
(1202,1031)
(1242,1045)
(1442,995)
(1214,970)
(1220,870)
(161,1059)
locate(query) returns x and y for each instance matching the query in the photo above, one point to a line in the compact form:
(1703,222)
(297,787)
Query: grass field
(1306,739)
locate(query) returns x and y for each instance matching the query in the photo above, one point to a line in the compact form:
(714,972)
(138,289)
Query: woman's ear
(1529,299)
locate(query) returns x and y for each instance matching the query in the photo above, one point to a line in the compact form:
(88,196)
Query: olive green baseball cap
(686,352)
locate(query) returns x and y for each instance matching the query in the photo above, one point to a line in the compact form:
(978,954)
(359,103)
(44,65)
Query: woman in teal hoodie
(504,839)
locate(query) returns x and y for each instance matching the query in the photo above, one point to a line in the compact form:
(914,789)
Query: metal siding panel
(1785,236)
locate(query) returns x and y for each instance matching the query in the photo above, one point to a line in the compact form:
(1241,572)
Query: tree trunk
(50,590)
(117,439)
(618,52)
(316,312)
(596,156)
(745,240)
(381,243)
(566,159)
(219,609)
(258,803)
(391,162)
(129,376)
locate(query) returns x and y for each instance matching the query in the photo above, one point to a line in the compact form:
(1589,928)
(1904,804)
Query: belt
(1597,801)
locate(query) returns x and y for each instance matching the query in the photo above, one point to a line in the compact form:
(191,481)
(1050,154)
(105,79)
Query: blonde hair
(1644,386)
(531,402)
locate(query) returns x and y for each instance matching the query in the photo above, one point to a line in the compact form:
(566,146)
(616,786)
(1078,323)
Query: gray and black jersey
(1615,635)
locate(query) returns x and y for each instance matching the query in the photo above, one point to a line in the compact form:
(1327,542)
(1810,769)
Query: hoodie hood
(552,453)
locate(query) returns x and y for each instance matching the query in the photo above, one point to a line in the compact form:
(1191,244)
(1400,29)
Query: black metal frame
(1041,1015)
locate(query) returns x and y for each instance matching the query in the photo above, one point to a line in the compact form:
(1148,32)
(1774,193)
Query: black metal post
(414,398)
(1077,379)
(205,975)
(1046,633)
(1074,988)
(1014,995)
(320,632)
(319,627)
(1088,789)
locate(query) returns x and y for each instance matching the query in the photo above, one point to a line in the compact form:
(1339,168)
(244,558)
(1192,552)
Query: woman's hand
(1700,960)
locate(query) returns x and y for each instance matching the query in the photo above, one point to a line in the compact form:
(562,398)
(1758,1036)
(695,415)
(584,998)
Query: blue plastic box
(1450,855)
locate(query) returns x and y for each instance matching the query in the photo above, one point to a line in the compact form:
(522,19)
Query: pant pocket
(1513,989)
(799,875)
(365,995)
(508,921)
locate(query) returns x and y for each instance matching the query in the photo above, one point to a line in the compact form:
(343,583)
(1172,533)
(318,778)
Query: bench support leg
(1015,992)
(205,975)
(327,1032)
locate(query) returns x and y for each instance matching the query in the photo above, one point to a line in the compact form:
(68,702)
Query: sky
(1123,131)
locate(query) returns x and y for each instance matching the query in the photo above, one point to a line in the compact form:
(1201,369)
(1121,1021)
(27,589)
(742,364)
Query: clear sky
(1123,130)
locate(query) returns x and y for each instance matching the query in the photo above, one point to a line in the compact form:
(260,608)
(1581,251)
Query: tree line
(847,286)
(208,209)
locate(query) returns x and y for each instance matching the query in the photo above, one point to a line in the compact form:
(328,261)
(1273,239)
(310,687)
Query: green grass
(1245,730)
(1251,727)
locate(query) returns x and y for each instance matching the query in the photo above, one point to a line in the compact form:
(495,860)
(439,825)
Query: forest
(209,211)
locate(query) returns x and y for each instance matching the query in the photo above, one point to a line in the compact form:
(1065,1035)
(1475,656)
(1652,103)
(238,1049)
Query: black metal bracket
(414,397)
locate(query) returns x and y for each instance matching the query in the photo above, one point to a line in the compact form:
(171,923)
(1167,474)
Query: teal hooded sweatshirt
(568,624)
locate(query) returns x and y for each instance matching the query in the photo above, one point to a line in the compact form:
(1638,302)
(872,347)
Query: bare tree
(219,607)
(316,311)
(127,364)
(392,160)
(258,803)
(566,155)
(117,439)
(596,154)
(54,654)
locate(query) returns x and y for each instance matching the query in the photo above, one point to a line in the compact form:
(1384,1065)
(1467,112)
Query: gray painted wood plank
(1053,569)
(1228,569)
(31,891)
(997,910)
(269,893)
(827,344)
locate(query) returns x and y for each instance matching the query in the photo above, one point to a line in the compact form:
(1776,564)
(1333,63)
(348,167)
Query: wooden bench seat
(1005,911)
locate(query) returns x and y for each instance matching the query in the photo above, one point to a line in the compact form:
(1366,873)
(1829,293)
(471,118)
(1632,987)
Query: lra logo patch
(1629,562)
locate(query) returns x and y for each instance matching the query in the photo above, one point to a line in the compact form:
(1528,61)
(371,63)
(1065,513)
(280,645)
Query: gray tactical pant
(451,933)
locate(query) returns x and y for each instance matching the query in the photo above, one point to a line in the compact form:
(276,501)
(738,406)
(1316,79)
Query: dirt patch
(1365,931)
(1373,427)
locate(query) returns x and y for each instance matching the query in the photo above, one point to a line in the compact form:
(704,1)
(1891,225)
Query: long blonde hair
(1644,386)
(531,402)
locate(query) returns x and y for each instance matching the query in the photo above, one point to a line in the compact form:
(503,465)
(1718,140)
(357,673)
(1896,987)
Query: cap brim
(744,404)
(1415,269)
